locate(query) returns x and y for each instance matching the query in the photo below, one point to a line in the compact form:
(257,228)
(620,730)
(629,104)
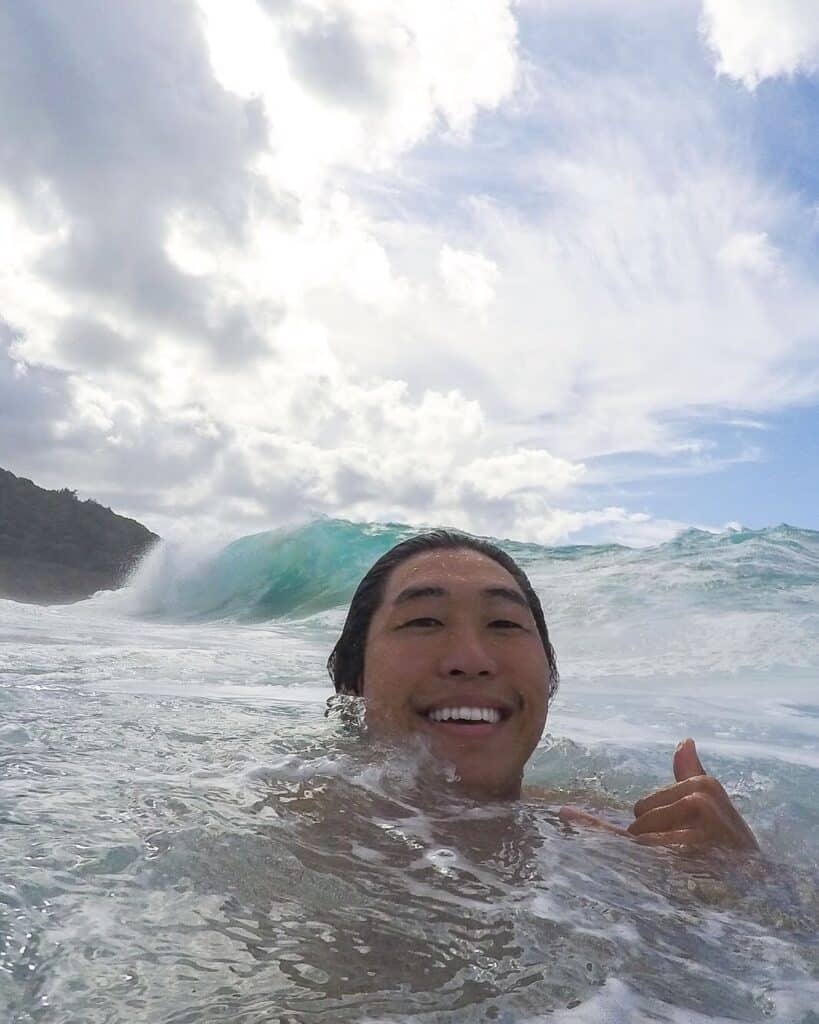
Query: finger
(574,816)
(721,824)
(686,761)
(670,794)
(676,837)
(682,813)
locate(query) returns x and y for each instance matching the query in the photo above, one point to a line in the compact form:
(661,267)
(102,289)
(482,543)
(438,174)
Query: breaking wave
(299,571)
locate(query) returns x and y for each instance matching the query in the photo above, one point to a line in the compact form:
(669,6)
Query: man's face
(453,654)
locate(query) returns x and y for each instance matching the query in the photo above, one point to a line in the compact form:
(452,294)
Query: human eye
(505,624)
(422,622)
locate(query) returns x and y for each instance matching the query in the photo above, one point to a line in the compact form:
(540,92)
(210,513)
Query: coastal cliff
(55,549)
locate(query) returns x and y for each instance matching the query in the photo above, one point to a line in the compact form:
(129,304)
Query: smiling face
(453,654)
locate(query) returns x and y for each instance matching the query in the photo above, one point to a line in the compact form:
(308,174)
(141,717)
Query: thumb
(686,761)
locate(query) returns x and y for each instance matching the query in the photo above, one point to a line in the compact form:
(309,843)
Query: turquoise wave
(278,573)
(308,569)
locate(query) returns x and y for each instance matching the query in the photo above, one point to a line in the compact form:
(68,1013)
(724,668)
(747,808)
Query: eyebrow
(414,593)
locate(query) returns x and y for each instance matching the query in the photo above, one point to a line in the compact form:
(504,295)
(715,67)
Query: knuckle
(699,802)
(712,786)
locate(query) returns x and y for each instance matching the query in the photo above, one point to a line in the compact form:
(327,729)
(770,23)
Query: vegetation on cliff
(55,548)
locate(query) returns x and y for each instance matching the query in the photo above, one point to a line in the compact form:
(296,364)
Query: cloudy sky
(545,269)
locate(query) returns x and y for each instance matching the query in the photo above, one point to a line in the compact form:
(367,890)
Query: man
(445,639)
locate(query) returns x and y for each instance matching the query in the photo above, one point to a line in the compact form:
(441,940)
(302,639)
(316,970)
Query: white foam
(617,1003)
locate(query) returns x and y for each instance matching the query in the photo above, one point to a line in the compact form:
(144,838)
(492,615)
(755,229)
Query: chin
(488,787)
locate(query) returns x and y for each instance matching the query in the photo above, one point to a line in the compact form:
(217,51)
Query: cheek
(536,690)
(387,709)
(537,706)
(393,666)
(384,688)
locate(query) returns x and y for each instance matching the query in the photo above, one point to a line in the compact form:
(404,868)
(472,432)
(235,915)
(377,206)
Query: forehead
(458,569)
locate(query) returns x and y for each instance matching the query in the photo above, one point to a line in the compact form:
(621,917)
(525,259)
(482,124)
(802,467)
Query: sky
(545,269)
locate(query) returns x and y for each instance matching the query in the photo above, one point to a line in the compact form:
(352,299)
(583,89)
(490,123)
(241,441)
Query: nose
(466,654)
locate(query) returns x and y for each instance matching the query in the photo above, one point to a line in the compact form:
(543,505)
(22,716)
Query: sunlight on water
(187,837)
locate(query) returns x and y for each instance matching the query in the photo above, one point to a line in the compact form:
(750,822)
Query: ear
(686,761)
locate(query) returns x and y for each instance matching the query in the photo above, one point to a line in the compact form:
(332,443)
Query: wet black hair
(346,662)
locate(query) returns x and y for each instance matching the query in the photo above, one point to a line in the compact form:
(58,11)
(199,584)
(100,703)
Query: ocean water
(190,834)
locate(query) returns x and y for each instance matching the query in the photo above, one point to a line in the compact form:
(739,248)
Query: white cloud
(302,276)
(499,476)
(469,277)
(357,82)
(613,525)
(757,39)
(641,293)
(750,250)
(25,299)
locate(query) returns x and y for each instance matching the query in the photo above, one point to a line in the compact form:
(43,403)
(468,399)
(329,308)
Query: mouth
(472,720)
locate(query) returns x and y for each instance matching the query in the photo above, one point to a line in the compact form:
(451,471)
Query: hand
(694,812)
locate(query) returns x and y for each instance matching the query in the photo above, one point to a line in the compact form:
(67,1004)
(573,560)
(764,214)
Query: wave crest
(300,571)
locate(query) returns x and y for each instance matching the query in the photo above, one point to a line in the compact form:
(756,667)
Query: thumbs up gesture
(694,811)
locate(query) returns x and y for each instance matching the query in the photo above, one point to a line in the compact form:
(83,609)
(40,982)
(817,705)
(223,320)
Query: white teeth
(491,715)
